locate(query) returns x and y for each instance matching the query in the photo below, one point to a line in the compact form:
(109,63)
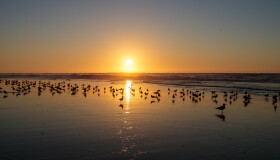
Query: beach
(98,125)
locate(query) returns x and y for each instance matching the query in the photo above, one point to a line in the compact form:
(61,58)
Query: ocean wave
(191,77)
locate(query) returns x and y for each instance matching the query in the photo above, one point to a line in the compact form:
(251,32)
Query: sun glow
(128,62)
(128,66)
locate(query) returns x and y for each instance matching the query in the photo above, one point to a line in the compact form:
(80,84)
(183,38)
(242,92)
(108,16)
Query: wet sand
(95,126)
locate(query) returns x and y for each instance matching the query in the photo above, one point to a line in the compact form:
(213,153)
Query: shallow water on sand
(65,126)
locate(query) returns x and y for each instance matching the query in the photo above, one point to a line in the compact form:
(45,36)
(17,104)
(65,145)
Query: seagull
(221,107)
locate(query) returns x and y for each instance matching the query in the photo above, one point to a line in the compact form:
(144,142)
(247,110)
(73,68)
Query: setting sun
(128,62)
(128,66)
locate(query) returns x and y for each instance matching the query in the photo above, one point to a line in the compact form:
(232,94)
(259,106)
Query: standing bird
(221,107)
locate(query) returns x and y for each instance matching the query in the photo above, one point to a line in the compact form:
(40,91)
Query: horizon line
(140,73)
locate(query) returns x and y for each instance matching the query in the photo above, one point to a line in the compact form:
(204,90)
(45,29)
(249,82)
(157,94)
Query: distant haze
(181,36)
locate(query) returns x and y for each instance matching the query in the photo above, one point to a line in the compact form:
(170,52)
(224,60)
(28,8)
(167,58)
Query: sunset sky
(62,36)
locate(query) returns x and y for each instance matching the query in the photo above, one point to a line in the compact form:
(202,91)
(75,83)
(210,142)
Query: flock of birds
(24,87)
(246,100)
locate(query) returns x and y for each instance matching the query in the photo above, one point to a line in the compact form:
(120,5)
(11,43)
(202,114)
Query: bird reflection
(221,116)
(215,101)
(121,105)
(266,99)
(246,103)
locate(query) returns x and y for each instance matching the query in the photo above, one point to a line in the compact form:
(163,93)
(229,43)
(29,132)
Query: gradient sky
(157,35)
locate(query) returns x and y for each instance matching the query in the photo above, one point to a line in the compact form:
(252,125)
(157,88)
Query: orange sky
(177,36)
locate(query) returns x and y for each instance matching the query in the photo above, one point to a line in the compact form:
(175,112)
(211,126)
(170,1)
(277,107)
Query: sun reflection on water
(126,132)
(127,92)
